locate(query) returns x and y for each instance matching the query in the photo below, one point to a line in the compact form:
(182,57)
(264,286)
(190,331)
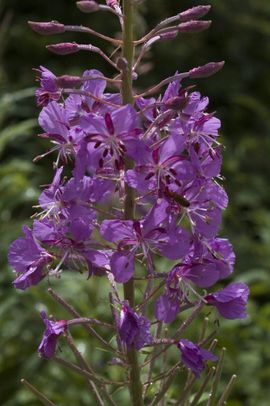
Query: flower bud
(87,6)
(64,48)
(48,28)
(66,81)
(194,13)
(192,27)
(206,70)
(112,3)
(122,63)
(168,35)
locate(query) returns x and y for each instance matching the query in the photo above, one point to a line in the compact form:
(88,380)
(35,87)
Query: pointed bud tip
(47,28)
(63,48)
(87,6)
(206,70)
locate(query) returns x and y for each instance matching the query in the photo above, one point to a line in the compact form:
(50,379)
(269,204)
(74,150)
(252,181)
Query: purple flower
(206,163)
(72,245)
(164,166)
(207,262)
(231,301)
(134,330)
(202,201)
(113,135)
(54,329)
(48,90)
(28,260)
(148,234)
(194,357)
(54,120)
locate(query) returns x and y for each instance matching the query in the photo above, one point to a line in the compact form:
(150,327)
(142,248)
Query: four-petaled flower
(149,234)
(54,329)
(134,330)
(194,357)
(28,259)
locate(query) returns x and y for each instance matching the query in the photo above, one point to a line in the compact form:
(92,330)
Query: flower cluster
(166,153)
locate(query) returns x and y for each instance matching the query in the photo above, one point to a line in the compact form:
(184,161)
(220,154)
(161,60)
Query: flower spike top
(136,195)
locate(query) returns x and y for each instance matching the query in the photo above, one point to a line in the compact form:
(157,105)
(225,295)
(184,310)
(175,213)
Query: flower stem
(127,95)
(43,399)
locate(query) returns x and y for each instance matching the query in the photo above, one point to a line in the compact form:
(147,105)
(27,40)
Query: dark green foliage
(240,93)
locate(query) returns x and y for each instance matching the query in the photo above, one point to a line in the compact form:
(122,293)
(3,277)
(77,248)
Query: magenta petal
(166,309)
(134,330)
(125,119)
(194,357)
(53,330)
(137,150)
(203,275)
(122,266)
(157,215)
(97,86)
(29,278)
(24,251)
(137,180)
(53,120)
(177,244)
(208,226)
(173,146)
(231,301)
(116,230)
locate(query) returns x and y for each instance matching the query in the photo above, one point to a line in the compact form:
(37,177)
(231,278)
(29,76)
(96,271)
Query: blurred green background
(240,94)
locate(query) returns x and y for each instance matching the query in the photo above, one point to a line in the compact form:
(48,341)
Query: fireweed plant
(145,184)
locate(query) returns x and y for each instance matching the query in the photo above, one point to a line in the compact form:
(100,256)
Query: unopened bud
(48,28)
(192,27)
(206,70)
(122,64)
(194,13)
(169,35)
(112,3)
(64,48)
(66,81)
(87,6)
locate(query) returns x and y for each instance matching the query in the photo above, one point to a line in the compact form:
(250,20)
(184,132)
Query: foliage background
(240,94)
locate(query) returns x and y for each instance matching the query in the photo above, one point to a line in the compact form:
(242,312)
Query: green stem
(128,51)
(127,95)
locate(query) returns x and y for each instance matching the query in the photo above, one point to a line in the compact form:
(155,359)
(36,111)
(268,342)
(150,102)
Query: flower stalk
(135,385)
